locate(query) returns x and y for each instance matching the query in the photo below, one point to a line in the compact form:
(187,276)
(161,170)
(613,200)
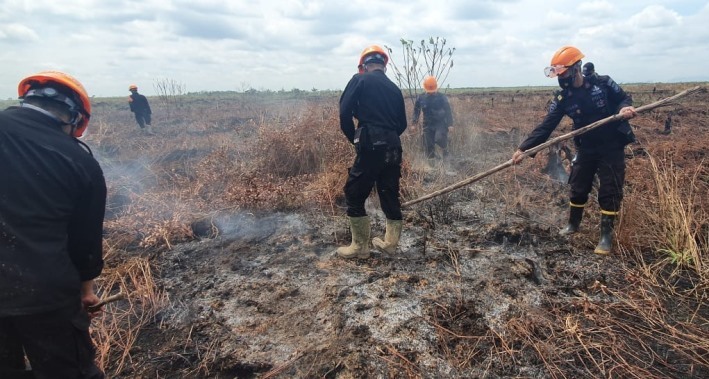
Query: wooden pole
(107,300)
(472,179)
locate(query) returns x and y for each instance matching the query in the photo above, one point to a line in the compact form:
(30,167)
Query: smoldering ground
(481,285)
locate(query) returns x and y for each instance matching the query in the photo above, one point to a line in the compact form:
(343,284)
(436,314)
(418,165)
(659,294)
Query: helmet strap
(51,93)
(370,67)
(44,112)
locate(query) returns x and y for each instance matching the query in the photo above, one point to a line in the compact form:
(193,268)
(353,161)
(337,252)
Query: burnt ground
(271,294)
(266,297)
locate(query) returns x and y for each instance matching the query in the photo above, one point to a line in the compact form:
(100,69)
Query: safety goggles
(51,93)
(556,70)
(374,58)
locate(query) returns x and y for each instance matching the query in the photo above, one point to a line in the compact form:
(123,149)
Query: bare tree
(170,93)
(430,57)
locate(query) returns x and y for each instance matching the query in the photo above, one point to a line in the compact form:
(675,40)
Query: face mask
(568,80)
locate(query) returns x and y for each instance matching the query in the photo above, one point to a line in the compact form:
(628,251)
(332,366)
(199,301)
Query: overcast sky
(213,45)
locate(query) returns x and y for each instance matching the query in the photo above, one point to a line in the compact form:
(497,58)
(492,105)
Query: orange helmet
(66,82)
(373,52)
(132,87)
(430,84)
(562,60)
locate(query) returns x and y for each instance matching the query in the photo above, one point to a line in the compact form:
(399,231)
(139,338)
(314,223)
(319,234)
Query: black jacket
(377,103)
(589,103)
(139,104)
(52,201)
(436,110)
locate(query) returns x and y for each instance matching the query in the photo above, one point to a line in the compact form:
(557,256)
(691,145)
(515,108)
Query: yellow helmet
(563,59)
(430,84)
(67,83)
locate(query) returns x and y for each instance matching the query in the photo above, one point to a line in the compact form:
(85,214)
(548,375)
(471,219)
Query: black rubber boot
(606,242)
(575,216)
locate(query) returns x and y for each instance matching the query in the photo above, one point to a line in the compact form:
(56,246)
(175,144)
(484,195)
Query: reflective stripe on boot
(359,248)
(391,237)
(606,242)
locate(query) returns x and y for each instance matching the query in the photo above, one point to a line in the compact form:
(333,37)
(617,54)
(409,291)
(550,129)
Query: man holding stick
(600,151)
(52,202)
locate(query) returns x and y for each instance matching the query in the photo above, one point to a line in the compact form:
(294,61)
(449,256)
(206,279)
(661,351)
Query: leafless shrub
(170,93)
(429,57)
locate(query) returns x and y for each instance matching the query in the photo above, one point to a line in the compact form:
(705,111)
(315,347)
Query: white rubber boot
(359,248)
(391,237)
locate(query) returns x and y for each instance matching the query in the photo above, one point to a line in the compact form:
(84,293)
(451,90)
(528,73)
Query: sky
(235,45)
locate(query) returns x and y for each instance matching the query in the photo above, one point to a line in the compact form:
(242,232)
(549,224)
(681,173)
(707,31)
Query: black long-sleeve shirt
(436,110)
(52,202)
(585,105)
(139,104)
(378,104)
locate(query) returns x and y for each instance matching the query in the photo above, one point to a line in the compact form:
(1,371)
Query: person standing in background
(141,108)
(437,118)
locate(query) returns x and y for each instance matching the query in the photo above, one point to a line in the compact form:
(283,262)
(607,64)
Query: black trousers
(142,119)
(57,345)
(435,135)
(375,167)
(609,165)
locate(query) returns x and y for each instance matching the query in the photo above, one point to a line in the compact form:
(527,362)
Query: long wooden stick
(538,148)
(107,300)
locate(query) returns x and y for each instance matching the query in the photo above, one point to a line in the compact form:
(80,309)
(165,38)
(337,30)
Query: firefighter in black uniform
(437,118)
(599,151)
(378,105)
(589,72)
(141,108)
(52,201)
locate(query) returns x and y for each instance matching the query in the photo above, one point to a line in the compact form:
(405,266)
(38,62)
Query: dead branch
(105,301)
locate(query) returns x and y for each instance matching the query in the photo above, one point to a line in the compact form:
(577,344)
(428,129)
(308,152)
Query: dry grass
(275,158)
(678,221)
(653,325)
(606,333)
(115,333)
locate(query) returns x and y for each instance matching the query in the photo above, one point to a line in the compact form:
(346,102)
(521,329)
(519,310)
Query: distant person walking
(599,151)
(437,118)
(141,108)
(52,203)
(378,105)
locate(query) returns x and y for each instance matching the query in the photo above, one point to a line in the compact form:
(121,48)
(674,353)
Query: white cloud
(217,45)
(562,22)
(597,9)
(656,16)
(17,33)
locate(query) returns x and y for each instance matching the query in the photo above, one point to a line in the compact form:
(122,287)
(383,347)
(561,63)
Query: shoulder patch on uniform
(559,97)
